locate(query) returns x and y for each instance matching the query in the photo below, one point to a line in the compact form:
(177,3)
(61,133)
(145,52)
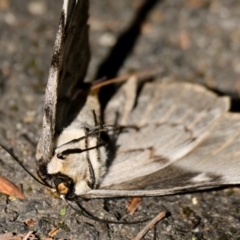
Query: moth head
(58,182)
(74,168)
(63,185)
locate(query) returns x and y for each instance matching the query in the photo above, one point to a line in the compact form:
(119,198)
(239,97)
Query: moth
(169,138)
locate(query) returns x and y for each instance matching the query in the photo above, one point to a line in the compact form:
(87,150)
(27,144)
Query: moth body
(79,154)
(75,165)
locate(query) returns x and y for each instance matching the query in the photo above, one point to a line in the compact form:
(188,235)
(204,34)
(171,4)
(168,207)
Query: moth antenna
(11,153)
(83,211)
(97,129)
(147,73)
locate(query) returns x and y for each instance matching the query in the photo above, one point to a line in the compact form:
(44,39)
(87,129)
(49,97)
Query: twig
(150,225)
(146,73)
(133,205)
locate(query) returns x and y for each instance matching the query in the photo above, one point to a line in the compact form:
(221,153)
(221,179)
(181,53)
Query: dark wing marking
(69,64)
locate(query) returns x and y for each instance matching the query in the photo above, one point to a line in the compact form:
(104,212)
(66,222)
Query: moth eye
(60,156)
(61,186)
(58,181)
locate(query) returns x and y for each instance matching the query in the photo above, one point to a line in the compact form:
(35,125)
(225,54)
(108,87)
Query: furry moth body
(85,168)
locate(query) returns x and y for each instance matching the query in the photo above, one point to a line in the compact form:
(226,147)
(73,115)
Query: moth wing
(174,120)
(69,64)
(214,163)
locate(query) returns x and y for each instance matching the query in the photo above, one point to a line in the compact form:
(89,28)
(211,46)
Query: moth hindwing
(183,141)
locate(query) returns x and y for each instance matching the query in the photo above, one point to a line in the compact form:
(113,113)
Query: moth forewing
(70,158)
(68,69)
(46,142)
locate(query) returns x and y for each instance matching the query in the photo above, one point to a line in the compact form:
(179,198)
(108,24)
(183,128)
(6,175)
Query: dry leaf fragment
(133,205)
(10,188)
(31,223)
(184,40)
(53,232)
(4,4)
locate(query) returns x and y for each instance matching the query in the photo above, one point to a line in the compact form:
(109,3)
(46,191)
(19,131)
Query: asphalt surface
(191,40)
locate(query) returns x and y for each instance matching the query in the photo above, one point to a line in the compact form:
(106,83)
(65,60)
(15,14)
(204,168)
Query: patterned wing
(68,68)
(186,140)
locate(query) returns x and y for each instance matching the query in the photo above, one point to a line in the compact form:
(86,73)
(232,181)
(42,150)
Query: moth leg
(95,118)
(97,132)
(92,181)
(98,137)
(122,128)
